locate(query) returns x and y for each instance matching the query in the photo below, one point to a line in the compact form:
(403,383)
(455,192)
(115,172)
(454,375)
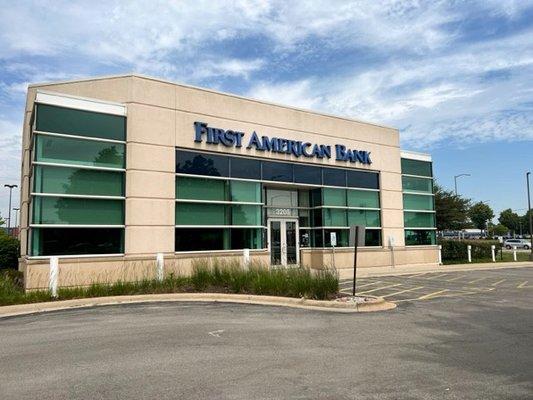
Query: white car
(518,243)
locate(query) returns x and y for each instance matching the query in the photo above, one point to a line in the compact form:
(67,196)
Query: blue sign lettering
(230,138)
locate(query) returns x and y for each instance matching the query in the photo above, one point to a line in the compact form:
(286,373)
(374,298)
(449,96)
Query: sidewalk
(347,273)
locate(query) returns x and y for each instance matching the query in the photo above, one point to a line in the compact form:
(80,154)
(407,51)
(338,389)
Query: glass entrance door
(283,241)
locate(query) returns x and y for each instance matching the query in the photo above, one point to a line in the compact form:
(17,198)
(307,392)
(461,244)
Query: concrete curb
(376,304)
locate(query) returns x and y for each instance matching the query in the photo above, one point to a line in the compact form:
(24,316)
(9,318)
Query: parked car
(519,243)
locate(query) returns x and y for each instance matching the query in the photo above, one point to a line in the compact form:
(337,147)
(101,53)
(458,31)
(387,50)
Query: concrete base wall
(84,271)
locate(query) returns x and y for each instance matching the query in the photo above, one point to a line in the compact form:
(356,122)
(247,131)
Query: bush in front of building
(457,250)
(9,251)
(207,276)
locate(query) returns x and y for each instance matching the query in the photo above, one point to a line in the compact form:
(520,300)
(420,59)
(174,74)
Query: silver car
(518,243)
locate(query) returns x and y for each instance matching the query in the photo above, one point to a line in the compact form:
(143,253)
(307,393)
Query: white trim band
(414,155)
(78,103)
(221,226)
(219,202)
(74,226)
(68,136)
(52,164)
(79,196)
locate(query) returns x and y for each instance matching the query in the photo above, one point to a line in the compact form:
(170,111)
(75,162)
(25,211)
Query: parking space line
(478,279)
(430,295)
(456,278)
(497,283)
(522,285)
(439,276)
(415,275)
(379,288)
(404,291)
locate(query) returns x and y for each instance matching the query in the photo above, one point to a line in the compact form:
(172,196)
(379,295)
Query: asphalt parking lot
(473,341)
(484,284)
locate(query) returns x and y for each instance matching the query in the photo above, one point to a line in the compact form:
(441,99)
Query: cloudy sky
(454,76)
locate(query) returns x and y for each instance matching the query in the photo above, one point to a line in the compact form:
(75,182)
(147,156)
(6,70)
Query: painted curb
(377,304)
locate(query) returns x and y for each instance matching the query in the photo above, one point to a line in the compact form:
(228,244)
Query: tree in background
(451,210)
(510,219)
(499,230)
(525,222)
(9,251)
(480,213)
(2,222)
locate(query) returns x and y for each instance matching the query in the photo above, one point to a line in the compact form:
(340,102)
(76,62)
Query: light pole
(455,180)
(16,216)
(10,191)
(530,217)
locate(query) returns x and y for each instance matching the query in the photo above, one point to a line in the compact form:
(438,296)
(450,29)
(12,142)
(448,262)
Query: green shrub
(9,251)
(456,250)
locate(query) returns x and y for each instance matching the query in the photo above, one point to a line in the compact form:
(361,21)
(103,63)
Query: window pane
(305,238)
(317,239)
(245,191)
(334,197)
(246,238)
(364,217)
(417,184)
(304,218)
(316,197)
(334,217)
(416,167)
(419,220)
(373,237)
(59,210)
(74,241)
(198,239)
(245,168)
(417,202)
(201,214)
(78,151)
(277,171)
(342,237)
(79,122)
(282,198)
(188,162)
(78,181)
(420,237)
(307,174)
(200,189)
(246,215)
(334,177)
(362,179)
(363,198)
(317,217)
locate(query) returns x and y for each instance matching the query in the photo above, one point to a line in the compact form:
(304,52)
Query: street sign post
(333,242)
(357,238)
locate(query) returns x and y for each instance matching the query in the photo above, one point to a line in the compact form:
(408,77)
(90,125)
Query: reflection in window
(188,162)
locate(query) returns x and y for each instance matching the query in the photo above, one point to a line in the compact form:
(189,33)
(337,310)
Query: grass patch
(504,257)
(213,277)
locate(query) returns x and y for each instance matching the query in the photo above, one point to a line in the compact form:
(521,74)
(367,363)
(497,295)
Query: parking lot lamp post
(9,212)
(455,180)
(16,216)
(530,218)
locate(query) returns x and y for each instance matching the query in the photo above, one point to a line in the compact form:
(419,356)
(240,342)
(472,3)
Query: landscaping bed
(217,277)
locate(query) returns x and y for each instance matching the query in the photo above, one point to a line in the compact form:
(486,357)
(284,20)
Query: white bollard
(440,254)
(493,251)
(160,263)
(54,276)
(469,249)
(514,253)
(246,258)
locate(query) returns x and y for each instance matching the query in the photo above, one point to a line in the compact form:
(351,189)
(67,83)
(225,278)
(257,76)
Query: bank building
(119,169)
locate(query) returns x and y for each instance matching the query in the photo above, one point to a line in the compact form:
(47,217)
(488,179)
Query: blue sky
(454,76)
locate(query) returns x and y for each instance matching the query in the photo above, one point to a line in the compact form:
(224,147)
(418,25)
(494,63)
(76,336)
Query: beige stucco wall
(160,116)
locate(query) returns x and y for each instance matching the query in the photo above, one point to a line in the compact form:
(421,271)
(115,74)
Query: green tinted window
(201,214)
(416,167)
(245,191)
(78,151)
(363,198)
(413,184)
(334,197)
(417,202)
(419,219)
(79,122)
(364,217)
(74,241)
(245,215)
(201,189)
(334,217)
(420,237)
(78,181)
(58,210)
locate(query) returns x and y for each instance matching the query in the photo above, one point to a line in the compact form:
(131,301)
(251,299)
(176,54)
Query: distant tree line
(455,213)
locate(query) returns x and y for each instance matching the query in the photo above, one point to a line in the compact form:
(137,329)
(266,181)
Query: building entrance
(283,241)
